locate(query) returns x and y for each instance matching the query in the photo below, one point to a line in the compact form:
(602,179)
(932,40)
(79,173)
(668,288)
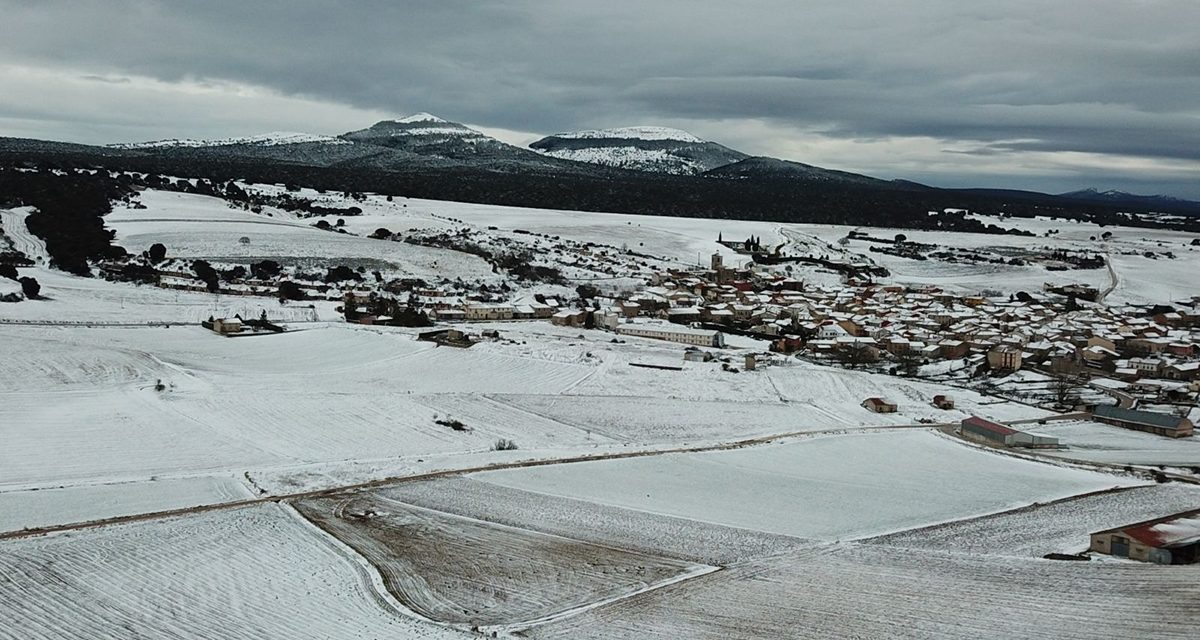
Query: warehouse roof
(988,425)
(1163,420)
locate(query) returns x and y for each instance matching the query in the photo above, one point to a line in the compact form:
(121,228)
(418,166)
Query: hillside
(654,149)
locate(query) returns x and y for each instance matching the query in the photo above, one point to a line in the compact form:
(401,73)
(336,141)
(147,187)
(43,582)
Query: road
(1112,278)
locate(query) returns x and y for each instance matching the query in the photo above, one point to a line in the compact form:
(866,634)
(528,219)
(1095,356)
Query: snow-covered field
(258,572)
(101,421)
(827,488)
(1097,442)
(1061,527)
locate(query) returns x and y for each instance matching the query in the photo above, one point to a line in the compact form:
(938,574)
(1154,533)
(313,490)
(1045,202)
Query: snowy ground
(86,435)
(258,573)
(827,488)
(1096,442)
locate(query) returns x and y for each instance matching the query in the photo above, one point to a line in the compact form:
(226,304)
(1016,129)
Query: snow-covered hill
(655,149)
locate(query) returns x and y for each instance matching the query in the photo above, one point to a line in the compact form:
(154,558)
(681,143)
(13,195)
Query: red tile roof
(988,425)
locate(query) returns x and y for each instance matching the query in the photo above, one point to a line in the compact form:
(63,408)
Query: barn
(878,405)
(1157,423)
(987,431)
(1173,539)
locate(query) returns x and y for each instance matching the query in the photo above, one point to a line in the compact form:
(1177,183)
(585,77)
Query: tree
(30,287)
(341,273)
(341,222)
(1065,390)
(323,224)
(900,237)
(289,290)
(205,272)
(8,271)
(158,252)
(265,270)
(382,233)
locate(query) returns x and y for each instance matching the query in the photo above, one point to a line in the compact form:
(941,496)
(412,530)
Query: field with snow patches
(253,573)
(459,570)
(1096,442)
(827,488)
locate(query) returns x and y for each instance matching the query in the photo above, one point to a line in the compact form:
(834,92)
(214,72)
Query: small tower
(717,262)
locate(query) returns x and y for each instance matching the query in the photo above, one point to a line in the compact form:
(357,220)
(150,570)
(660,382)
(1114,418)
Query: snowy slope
(275,138)
(654,149)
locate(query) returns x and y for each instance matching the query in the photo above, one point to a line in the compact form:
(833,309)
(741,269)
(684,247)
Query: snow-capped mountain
(655,149)
(430,136)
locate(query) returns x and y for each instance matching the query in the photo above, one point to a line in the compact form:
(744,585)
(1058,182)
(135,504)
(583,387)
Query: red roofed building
(985,430)
(1170,540)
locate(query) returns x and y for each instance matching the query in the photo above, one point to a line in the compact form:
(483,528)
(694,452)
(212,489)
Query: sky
(1045,95)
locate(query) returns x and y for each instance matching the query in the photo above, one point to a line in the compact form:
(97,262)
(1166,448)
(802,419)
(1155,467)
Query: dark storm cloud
(1097,76)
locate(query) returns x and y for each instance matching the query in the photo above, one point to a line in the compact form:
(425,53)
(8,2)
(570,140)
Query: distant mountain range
(654,170)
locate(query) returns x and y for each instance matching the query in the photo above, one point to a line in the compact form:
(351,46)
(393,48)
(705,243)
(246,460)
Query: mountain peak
(421,117)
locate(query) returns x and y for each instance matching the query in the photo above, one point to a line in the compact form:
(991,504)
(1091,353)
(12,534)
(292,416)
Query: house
(224,326)
(984,430)
(1173,539)
(484,311)
(943,402)
(1005,358)
(878,405)
(569,318)
(673,333)
(1157,423)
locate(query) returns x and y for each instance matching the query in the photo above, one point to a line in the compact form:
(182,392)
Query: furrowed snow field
(852,591)
(254,573)
(829,488)
(1062,527)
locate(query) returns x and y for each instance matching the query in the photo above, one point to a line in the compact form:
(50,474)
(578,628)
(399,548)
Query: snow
(1097,442)
(420,117)
(635,133)
(1061,527)
(827,488)
(629,158)
(272,139)
(37,508)
(256,573)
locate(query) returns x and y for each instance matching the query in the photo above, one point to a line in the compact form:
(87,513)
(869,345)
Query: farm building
(988,431)
(1173,539)
(943,402)
(700,337)
(878,405)
(224,326)
(1158,423)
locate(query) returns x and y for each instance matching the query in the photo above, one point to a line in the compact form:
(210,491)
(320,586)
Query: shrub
(504,445)
(30,287)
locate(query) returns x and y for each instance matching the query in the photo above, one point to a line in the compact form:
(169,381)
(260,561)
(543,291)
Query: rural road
(1112,278)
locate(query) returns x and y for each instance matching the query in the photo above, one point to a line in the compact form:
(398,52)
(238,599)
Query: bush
(289,290)
(30,287)
(504,445)
(8,271)
(158,252)
(266,269)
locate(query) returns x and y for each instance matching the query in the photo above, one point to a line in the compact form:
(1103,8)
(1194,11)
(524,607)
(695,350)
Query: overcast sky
(1051,95)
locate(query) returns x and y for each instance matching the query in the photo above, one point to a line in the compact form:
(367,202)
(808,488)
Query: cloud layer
(1024,93)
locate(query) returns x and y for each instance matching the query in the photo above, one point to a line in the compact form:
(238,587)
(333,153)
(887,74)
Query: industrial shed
(987,431)
(1157,423)
(1172,539)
